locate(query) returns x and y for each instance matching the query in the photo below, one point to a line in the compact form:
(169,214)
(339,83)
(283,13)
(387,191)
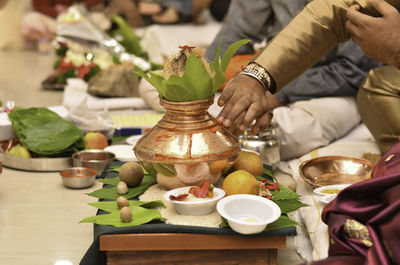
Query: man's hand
(244,100)
(378,37)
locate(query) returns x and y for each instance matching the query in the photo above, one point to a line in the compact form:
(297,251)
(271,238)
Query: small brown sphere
(122,202)
(122,188)
(125,214)
(131,173)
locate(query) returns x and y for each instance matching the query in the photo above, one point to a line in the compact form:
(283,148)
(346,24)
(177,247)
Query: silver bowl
(330,170)
(93,158)
(78,177)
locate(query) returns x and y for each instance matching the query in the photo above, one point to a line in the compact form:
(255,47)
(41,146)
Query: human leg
(379,105)
(309,124)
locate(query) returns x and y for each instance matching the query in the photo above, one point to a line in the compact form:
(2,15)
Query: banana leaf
(44,132)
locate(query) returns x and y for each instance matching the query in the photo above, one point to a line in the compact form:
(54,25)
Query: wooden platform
(193,249)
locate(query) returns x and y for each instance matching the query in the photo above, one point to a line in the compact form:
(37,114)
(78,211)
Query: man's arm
(341,75)
(379,37)
(311,34)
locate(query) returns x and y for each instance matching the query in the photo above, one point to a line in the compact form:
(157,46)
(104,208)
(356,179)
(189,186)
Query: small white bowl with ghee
(248,214)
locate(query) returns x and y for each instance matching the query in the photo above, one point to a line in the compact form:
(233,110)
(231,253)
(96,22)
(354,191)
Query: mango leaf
(44,132)
(154,79)
(230,52)
(197,78)
(140,216)
(196,83)
(111,193)
(288,206)
(285,193)
(111,206)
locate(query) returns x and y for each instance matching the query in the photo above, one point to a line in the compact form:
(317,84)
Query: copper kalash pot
(187,146)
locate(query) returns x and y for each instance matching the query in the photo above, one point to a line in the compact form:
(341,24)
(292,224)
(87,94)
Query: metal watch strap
(258,72)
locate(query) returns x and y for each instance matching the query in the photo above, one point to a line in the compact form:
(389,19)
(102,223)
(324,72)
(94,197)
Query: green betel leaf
(111,206)
(44,132)
(282,222)
(284,193)
(140,216)
(110,181)
(288,206)
(111,193)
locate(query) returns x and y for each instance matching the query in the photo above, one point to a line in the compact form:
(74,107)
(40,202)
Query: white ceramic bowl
(123,152)
(330,189)
(199,207)
(248,214)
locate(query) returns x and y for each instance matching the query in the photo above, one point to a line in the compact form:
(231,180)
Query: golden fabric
(379,105)
(318,28)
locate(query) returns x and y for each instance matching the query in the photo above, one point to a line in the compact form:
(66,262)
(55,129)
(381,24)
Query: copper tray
(329,170)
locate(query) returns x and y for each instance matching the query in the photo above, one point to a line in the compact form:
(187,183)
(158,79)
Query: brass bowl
(78,177)
(330,170)
(93,158)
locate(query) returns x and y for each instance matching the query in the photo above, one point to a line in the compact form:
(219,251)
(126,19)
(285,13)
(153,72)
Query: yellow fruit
(217,166)
(95,140)
(240,182)
(250,162)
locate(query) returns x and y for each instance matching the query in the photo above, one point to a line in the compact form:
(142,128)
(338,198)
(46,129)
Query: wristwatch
(258,72)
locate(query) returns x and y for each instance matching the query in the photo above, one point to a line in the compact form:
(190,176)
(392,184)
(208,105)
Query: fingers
(353,29)
(264,121)
(355,16)
(227,93)
(234,108)
(383,7)
(253,111)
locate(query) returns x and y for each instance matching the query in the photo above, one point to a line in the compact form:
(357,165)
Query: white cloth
(160,41)
(354,144)
(75,93)
(305,125)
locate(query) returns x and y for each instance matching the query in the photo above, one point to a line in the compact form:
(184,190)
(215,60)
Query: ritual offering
(185,145)
(122,202)
(122,188)
(125,214)
(131,173)
(195,200)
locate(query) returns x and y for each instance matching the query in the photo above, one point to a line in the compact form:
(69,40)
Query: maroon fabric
(376,204)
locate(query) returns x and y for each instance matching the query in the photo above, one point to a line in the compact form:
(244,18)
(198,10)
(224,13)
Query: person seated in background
(40,24)
(143,12)
(303,121)
(307,38)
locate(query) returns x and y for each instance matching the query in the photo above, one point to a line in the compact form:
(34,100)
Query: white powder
(156,192)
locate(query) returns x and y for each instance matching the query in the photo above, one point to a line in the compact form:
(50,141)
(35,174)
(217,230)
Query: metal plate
(330,170)
(36,164)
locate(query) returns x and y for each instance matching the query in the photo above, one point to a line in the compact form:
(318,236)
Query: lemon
(240,182)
